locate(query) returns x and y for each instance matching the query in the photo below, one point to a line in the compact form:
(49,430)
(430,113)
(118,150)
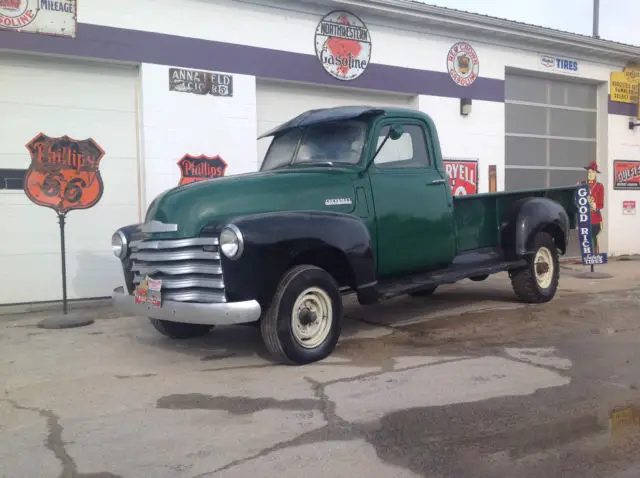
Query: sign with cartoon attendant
(463,175)
(596,203)
(53,17)
(343,45)
(463,64)
(199,168)
(64,173)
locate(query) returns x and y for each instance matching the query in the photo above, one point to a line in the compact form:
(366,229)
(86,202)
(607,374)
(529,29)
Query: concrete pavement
(466,383)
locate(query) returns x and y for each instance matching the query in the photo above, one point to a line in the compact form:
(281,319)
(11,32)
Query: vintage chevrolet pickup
(347,200)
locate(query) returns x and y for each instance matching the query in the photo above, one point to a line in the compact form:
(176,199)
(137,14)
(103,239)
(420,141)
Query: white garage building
(135,77)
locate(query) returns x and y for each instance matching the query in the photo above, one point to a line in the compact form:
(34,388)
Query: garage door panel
(118,140)
(573,124)
(87,275)
(564,152)
(526,151)
(67,84)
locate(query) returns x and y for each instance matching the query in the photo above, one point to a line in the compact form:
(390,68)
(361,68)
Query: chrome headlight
(231,241)
(119,244)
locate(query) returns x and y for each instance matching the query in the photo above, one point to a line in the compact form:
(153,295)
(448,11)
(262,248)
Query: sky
(619,19)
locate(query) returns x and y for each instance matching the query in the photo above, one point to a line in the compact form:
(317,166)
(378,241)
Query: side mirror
(396,132)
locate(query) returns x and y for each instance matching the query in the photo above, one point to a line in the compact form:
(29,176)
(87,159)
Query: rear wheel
(179,330)
(538,281)
(426,292)
(304,321)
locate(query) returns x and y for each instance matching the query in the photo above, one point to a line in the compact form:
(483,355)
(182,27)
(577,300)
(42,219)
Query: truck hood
(194,206)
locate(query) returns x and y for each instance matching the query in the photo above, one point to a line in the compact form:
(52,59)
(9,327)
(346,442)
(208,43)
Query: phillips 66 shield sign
(64,173)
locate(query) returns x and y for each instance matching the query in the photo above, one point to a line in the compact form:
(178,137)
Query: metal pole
(596,18)
(63,255)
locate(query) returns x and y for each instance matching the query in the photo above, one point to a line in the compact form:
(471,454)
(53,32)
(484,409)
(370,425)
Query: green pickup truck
(348,200)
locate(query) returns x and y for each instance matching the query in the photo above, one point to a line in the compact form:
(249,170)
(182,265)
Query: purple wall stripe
(624,109)
(101,42)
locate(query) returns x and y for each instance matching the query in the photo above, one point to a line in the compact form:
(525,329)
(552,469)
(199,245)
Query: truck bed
(477,217)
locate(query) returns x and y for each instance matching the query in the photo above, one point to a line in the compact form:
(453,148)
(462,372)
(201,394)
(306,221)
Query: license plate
(148,291)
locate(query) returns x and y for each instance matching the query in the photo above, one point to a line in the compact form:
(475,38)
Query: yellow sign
(623,90)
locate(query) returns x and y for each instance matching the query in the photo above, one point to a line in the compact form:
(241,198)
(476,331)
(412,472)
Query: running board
(451,275)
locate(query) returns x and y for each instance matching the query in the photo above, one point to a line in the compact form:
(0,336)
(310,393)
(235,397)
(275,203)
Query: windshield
(331,142)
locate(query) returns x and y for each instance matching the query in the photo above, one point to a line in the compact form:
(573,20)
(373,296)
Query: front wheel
(178,330)
(538,281)
(304,321)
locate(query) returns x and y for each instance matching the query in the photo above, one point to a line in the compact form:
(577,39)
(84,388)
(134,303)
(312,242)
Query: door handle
(437,181)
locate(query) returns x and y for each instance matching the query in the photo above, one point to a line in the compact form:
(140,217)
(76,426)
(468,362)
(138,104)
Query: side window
(408,151)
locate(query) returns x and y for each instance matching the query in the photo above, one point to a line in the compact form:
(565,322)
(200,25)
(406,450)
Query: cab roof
(325,115)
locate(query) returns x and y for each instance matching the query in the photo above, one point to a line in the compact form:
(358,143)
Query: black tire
(526,284)
(479,278)
(276,326)
(179,330)
(426,292)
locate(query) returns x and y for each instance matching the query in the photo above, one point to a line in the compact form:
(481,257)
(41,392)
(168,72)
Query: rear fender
(273,242)
(528,216)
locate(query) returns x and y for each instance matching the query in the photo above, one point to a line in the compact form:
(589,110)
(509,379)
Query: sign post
(587,251)
(64,175)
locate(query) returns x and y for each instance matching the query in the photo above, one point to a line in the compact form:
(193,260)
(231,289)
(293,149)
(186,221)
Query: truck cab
(347,200)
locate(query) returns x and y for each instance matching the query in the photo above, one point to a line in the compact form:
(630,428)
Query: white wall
(479,135)
(176,123)
(624,231)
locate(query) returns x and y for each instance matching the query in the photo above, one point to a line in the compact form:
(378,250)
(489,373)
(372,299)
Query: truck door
(413,206)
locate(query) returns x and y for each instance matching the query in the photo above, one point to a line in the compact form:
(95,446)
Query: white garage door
(82,100)
(278,102)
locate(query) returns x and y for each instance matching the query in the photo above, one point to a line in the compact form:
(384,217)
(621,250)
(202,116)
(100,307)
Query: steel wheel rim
(317,303)
(543,267)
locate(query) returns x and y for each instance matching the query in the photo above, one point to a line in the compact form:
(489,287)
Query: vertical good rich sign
(199,168)
(64,175)
(589,255)
(463,64)
(343,45)
(463,175)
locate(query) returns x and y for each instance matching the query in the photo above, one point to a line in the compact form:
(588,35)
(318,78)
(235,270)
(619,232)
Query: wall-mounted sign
(343,45)
(463,64)
(199,168)
(52,17)
(558,63)
(590,255)
(621,89)
(200,82)
(629,208)
(463,175)
(64,173)
(626,175)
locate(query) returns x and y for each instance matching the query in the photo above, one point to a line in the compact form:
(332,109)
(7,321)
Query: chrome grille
(190,269)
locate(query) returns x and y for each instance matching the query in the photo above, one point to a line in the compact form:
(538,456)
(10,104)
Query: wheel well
(557,235)
(331,260)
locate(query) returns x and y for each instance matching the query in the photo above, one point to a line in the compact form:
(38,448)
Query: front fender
(273,241)
(529,216)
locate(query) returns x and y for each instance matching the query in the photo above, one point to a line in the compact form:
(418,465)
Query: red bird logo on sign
(64,173)
(199,168)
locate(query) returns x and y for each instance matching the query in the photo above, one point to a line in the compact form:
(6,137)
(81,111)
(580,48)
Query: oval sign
(343,45)
(463,64)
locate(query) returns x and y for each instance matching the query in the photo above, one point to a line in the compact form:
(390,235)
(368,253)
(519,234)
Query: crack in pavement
(56,445)
(336,429)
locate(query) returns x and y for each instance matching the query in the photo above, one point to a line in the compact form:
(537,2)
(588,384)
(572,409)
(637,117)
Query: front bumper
(219,313)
